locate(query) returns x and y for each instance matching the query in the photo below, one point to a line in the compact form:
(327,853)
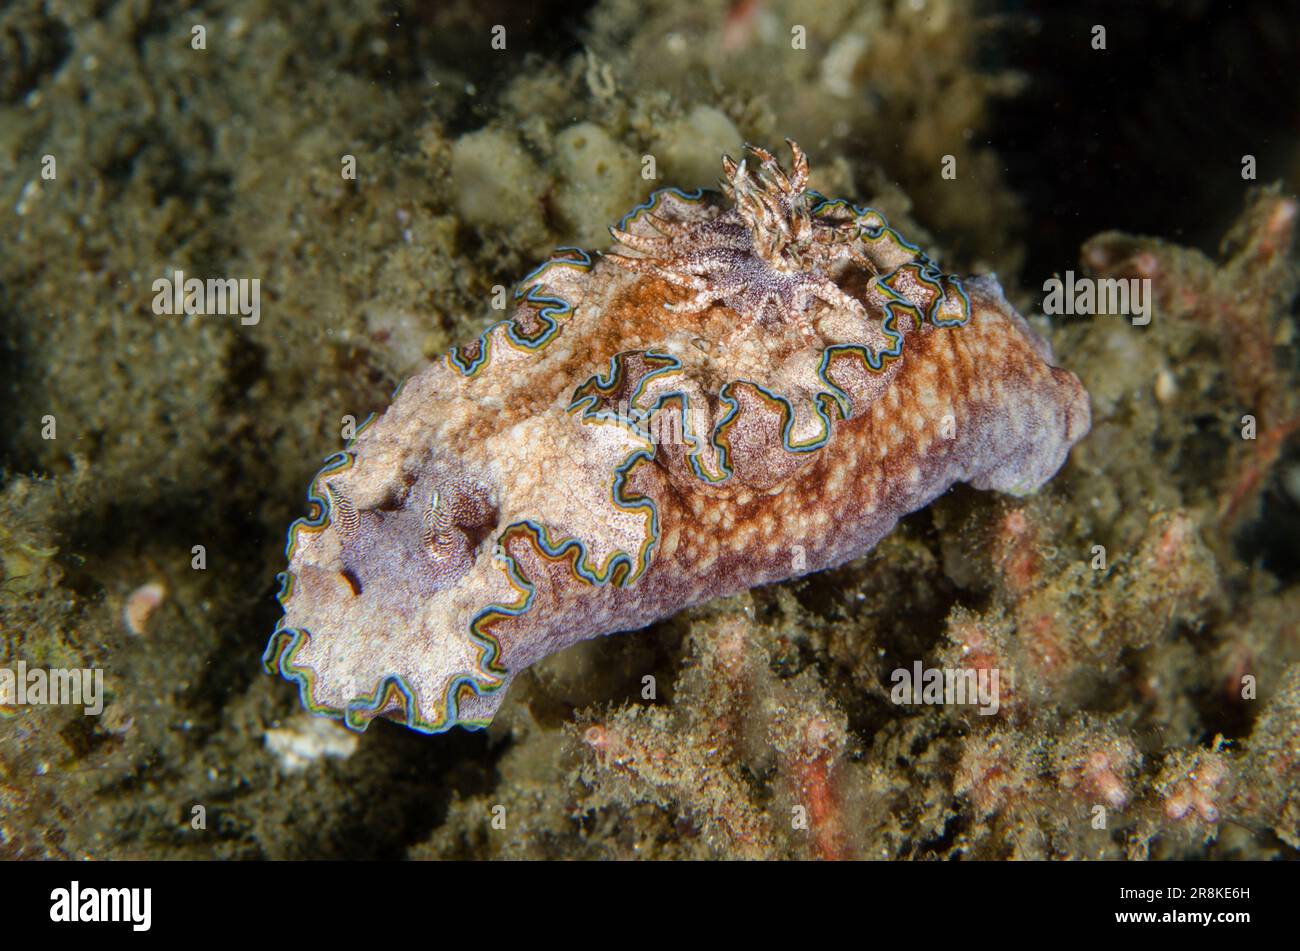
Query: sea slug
(757,385)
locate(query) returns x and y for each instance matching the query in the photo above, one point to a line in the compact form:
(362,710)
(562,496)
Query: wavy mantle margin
(392,693)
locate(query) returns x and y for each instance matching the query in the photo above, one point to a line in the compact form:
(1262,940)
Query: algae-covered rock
(389,172)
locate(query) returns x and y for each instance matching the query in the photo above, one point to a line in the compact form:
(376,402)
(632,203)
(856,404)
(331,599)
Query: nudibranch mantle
(756,385)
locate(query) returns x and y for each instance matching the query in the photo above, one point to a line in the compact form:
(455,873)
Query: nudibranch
(756,385)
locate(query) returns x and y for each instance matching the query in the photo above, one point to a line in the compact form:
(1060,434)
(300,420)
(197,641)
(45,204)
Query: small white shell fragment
(141,604)
(304,739)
